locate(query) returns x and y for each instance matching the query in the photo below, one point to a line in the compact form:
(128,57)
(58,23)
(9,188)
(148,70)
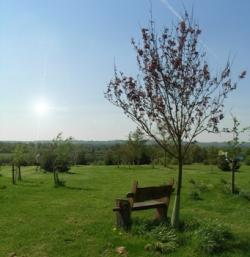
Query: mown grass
(39,220)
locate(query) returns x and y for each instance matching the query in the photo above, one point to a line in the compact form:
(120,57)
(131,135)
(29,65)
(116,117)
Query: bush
(48,162)
(189,224)
(224,164)
(142,227)
(162,237)
(163,234)
(213,238)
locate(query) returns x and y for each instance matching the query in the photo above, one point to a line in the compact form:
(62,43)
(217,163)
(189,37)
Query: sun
(42,108)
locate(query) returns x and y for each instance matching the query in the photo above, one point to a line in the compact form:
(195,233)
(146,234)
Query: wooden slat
(148,205)
(152,193)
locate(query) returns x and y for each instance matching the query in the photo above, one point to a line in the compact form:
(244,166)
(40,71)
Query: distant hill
(115,142)
(219,144)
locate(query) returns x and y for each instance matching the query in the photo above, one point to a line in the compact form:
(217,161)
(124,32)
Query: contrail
(176,14)
(171,9)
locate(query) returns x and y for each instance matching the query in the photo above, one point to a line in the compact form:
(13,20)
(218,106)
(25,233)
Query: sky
(57,57)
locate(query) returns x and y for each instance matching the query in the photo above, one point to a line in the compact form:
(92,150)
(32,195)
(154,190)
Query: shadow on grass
(31,182)
(28,184)
(242,245)
(80,188)
(71,172)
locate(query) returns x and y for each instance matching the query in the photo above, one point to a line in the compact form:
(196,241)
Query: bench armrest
(121,204)
(130,195)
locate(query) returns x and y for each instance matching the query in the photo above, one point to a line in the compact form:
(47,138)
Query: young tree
(135,146)
(57,157)
(235,147)
(174,96)
(18,159)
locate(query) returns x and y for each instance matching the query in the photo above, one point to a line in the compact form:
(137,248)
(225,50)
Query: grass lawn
(38,220)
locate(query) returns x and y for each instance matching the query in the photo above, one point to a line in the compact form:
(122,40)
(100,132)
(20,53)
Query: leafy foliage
(223,163)
(174,93)
(213,237)
(57,156)
(235,146)
(18,157)
(163,238)
(189,224)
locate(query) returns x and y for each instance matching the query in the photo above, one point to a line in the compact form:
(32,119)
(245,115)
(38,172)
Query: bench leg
(161,213)
(123,215)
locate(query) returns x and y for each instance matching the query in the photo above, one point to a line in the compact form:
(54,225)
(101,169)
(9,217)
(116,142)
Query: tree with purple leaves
(175,97)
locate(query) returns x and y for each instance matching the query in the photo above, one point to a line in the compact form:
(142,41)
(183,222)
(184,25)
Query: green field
(39,220)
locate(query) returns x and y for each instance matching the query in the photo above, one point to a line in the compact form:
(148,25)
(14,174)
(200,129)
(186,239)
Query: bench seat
(148,205)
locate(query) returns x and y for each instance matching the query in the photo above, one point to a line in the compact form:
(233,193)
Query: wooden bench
(143,198)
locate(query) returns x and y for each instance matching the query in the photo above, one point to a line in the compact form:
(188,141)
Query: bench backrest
(141,194)
(151,193)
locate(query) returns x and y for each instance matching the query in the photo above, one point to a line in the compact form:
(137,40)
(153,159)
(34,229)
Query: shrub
(160,247)
(142,227)
(189,224)
(48,163)
(224,164)
(163,234)
(213,237)
(162,237)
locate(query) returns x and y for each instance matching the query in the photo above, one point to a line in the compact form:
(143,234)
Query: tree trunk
(19,176)
(55,177)
(233,176)
(165,158)
(176,209)
(13,175)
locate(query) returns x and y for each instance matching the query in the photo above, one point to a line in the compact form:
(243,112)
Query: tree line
(136,150)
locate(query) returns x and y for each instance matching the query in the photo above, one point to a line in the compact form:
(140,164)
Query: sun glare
(42,108)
